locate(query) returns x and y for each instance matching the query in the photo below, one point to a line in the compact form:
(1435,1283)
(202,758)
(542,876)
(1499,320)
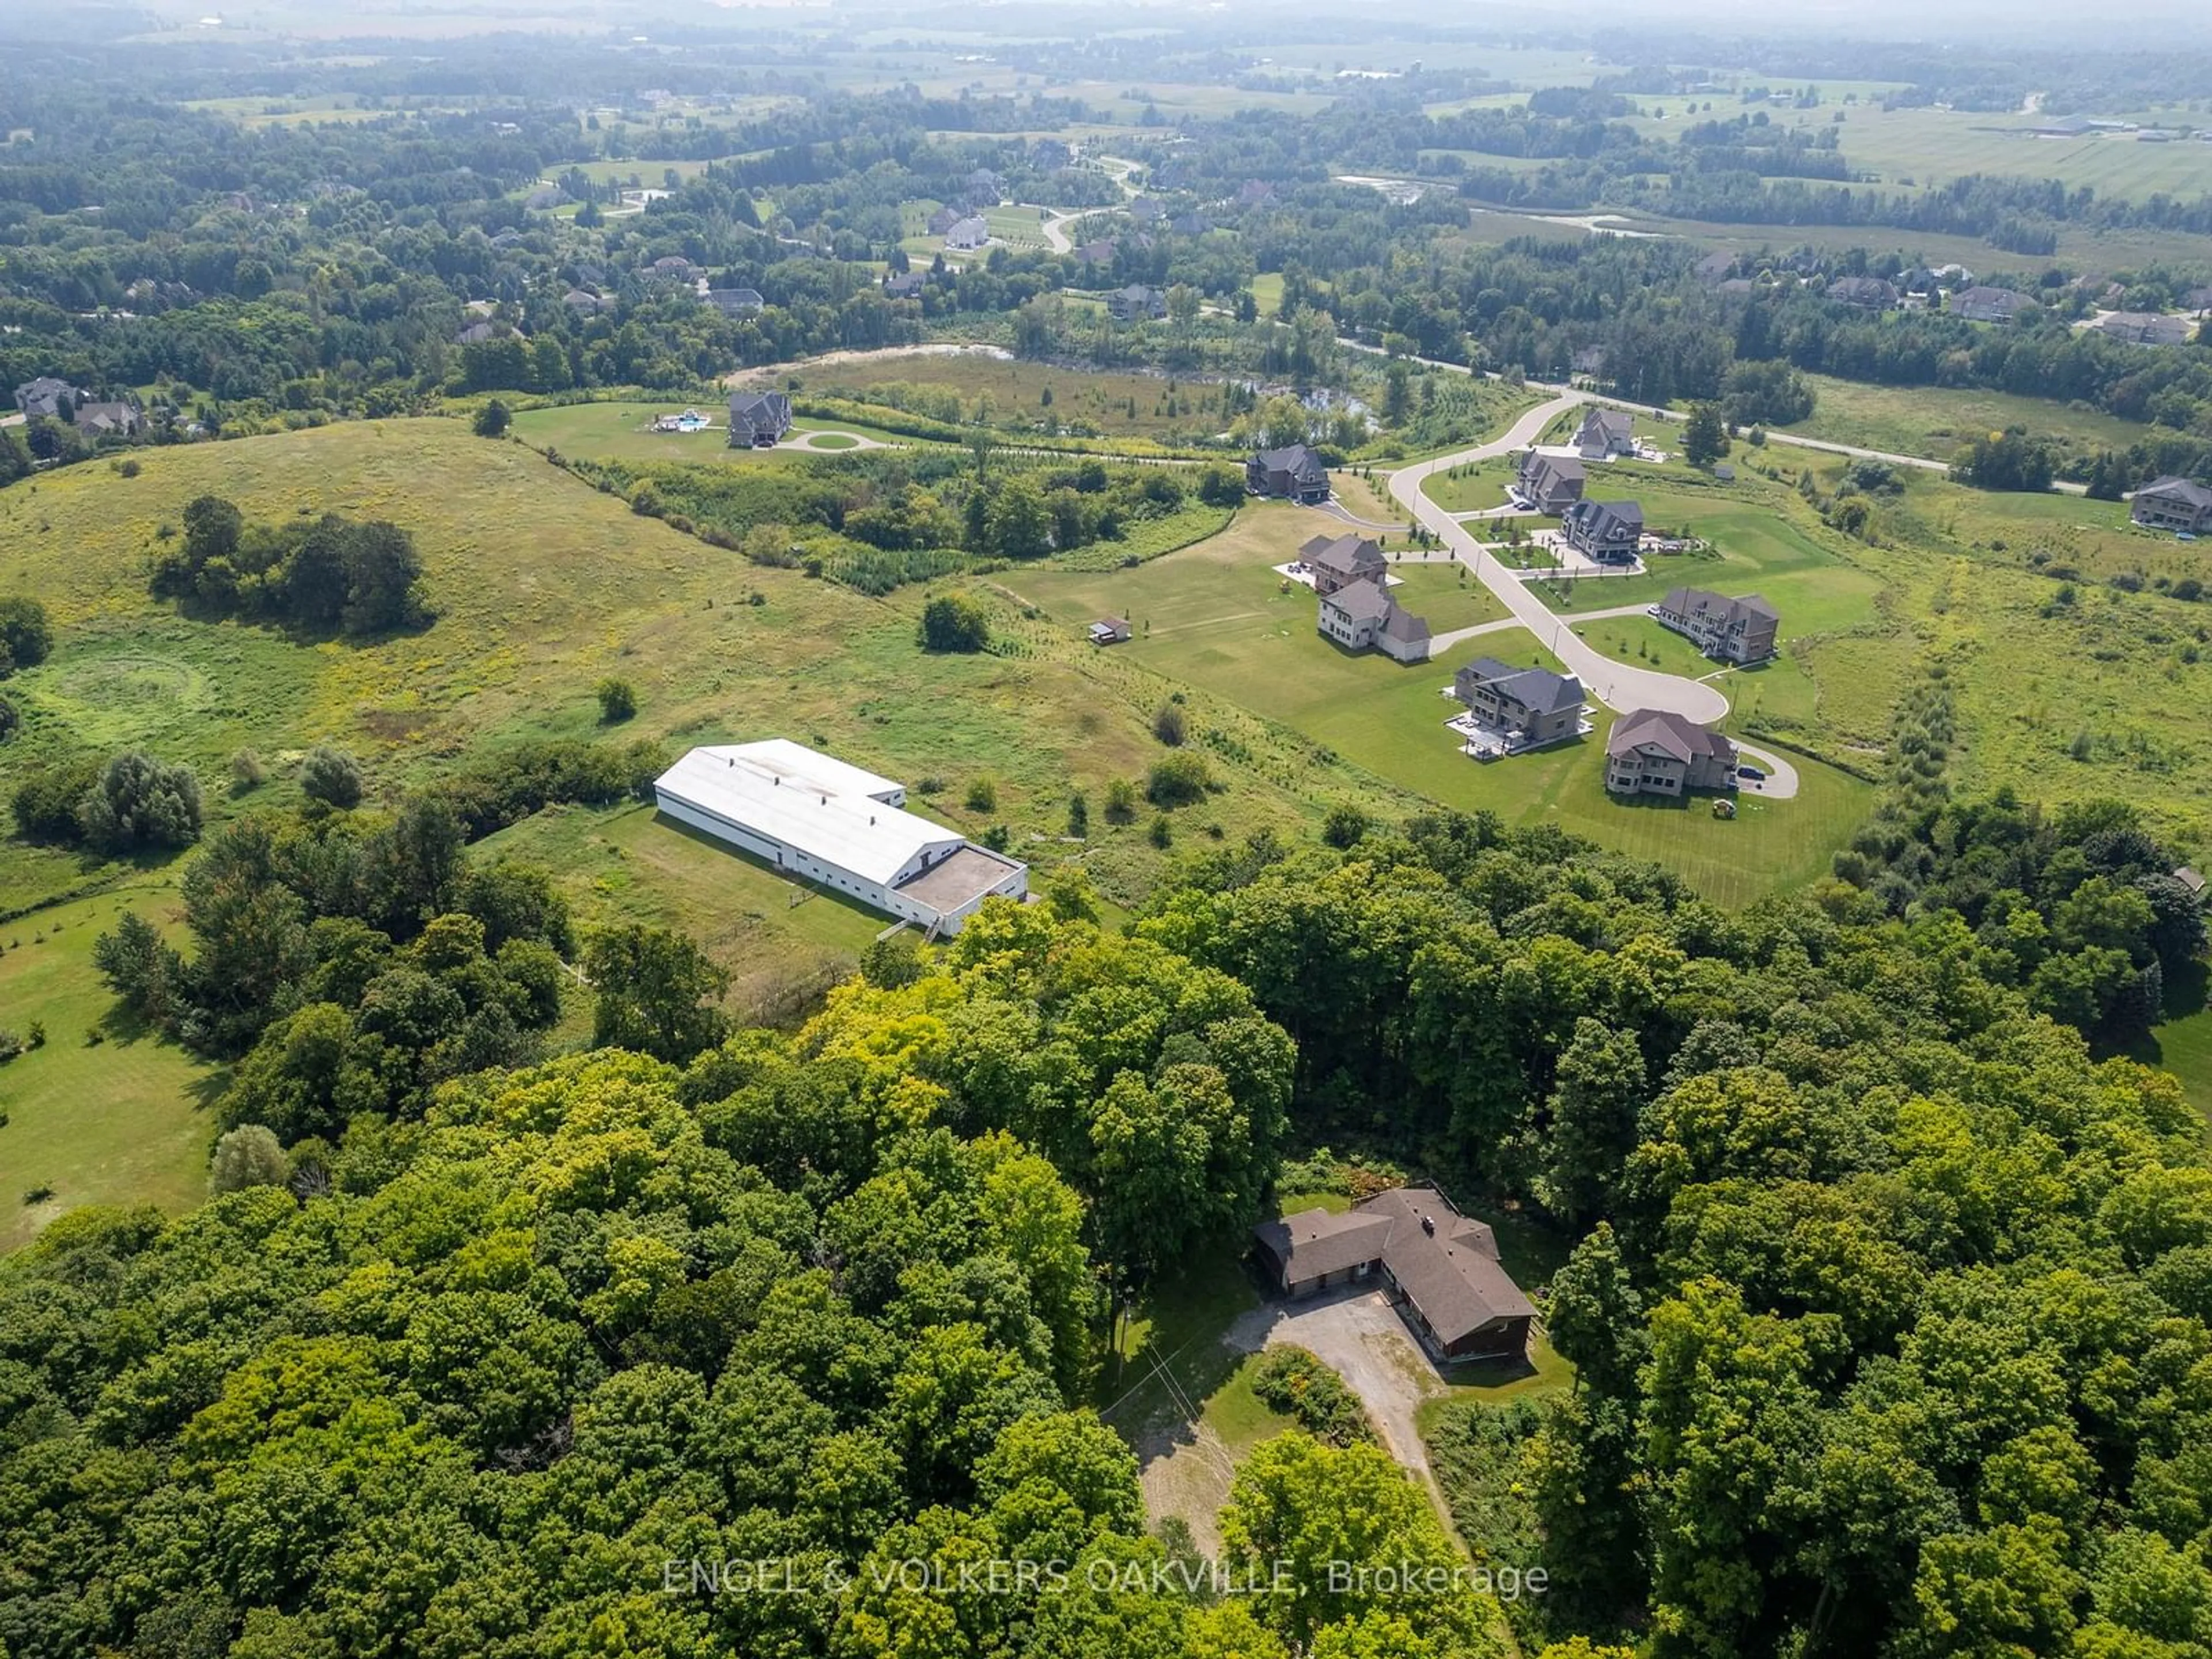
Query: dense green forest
(1889,1317)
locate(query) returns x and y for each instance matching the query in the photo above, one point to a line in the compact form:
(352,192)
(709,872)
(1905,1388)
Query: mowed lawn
(1216,615)
(118,1122)
(623,432)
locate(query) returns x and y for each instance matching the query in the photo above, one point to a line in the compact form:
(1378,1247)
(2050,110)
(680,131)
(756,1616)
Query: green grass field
(544,586)
(1012,392)
(1481,484)
(623,432)
(121,1122)
(1935,421)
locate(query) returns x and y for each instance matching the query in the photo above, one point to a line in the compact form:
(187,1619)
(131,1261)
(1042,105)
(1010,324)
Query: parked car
(1752,773)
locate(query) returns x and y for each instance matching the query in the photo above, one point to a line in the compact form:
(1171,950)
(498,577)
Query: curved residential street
(1618,685)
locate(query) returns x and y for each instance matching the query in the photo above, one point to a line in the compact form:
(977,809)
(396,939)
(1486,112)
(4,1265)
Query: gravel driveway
(1358,1333)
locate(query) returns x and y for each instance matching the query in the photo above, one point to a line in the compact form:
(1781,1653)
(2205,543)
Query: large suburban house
(1136,303)
(968,234)
(1652,751)
(2151,328)
(1525,707)
(2173,503)
(110,420)
(1729,629)
(1988,305)
(735,302)
(815,817)
(1295,473)
(759,419)
(1339,560)
(1439,1269)
(1607,531)
(42,398)
(1604,433)
(1867,293)
(1361,616)
(1550,482)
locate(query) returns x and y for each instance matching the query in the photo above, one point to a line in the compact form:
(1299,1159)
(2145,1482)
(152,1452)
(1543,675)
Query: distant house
(1867,293)
(1190,224)
(1988,305)
(110,420)
(42,398)
(2198,300)
(736,301)
(545,197)
(1254,192)
(673,268)
(2150,328)
(1607,531)
(1725,629)
(1361,616)
(1294,473)
(969,234)
(1339,562)
(584,302)
(1715,268)
(1136,303)
(904,284)
(1588,363)
(1100,253)
(759,419)
(1526,707)
(1652,751)
(1110,630)
(1439,1269)
(1550,483)
(1147,210)
(1604,433)
(2173,503)
(944,219)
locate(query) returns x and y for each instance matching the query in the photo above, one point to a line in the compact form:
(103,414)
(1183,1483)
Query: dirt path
(872,354)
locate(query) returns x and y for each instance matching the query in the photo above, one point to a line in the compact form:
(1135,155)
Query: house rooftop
(2173,487)
(1683,739)
(1538,688)
(1361,601)
(1446,1264)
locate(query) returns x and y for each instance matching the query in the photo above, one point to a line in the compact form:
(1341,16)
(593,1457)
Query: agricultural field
(1935,421)
(1925,147)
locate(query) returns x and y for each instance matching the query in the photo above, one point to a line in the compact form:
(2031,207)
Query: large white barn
(814,816)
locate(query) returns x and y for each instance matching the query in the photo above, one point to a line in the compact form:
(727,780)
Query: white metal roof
(809,801)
